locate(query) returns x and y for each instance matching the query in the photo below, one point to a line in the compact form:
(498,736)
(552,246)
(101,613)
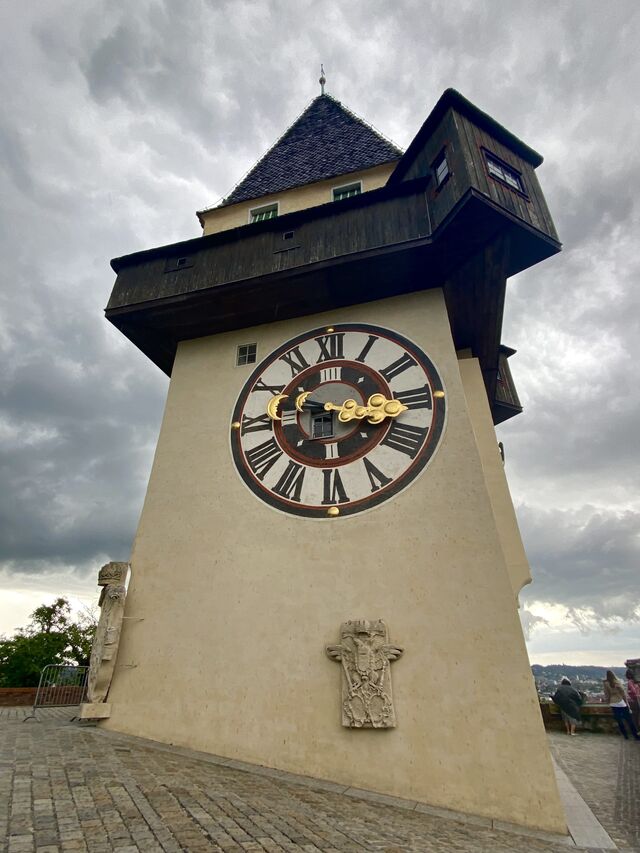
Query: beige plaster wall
(298,198)
(493,467)
(238,601)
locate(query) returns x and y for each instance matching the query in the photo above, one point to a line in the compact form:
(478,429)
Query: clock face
(338,420)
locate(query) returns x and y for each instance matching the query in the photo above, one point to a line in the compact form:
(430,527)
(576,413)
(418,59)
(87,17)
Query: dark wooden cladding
(474,294)
(531,207)
(442,199)
(476,249)
(329,235)
(464,144)
(450,99)
(506,401)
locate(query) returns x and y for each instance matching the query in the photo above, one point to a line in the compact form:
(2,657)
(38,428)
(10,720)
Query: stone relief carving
(112,579)
(366,653)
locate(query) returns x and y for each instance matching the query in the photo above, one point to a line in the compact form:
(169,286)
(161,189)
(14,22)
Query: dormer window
(507,174)
(347,191)
(267,211)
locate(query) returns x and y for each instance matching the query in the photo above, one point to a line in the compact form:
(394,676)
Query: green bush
(50,637)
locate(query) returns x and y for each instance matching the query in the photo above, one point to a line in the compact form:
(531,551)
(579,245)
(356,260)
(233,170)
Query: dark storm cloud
(120,120)
(72,472)
(586,559)
(202,67)
(577,343)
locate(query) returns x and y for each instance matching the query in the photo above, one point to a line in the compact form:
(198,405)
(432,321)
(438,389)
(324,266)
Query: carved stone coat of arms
(366,653)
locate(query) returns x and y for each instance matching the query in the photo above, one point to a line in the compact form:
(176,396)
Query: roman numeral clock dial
(337,421)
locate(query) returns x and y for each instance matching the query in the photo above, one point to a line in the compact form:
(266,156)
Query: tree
(50,637)
(52,617)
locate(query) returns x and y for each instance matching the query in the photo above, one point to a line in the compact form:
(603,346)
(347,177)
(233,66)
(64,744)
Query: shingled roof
(327,140)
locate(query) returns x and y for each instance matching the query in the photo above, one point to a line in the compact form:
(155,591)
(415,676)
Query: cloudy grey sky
(121,119)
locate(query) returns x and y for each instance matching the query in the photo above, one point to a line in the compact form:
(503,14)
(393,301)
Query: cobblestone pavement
(66,787)
(605,770)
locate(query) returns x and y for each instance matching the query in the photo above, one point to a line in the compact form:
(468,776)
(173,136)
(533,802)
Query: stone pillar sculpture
(111,578)
(365,653)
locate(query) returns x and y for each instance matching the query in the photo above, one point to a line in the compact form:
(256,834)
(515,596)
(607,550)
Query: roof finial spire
(322,79)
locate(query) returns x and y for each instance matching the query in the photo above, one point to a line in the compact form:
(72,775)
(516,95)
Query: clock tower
(327,484)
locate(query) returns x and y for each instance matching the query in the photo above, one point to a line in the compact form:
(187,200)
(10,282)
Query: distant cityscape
(587,679)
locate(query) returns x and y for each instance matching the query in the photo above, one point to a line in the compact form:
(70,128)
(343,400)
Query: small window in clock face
(246,354)
(322,425)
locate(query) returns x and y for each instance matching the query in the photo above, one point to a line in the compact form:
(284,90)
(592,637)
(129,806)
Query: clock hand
(377,409)
(302,404)
(273,404)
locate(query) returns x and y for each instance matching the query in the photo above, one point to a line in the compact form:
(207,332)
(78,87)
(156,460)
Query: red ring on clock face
(361,465)
(353,440)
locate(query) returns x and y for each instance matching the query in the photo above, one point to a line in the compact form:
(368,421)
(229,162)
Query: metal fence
(60,686)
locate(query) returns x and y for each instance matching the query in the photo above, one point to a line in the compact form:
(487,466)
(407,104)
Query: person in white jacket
(615,697)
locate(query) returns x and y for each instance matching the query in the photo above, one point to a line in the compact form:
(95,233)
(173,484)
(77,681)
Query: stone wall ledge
(596,718)
(17,697)
(14,697)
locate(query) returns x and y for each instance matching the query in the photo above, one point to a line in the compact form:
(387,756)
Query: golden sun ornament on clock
(337,421)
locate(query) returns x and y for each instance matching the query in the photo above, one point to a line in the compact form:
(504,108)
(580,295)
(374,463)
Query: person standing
(614,696)
(633,695)
(568,700)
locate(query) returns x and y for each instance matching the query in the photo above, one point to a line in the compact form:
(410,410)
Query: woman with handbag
(614,696)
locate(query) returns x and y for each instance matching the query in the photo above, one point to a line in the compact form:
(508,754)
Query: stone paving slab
(67,787)
(605,770)
(585,829)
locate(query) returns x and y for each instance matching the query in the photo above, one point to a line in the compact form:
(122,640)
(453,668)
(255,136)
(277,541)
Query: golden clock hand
(350,410)
(272,406)
(377,409)
(302,403)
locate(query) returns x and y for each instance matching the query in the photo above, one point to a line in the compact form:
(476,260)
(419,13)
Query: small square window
(347,191)
(246,354)
(259,214)
(441,168)
(322,425)
(174,264)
